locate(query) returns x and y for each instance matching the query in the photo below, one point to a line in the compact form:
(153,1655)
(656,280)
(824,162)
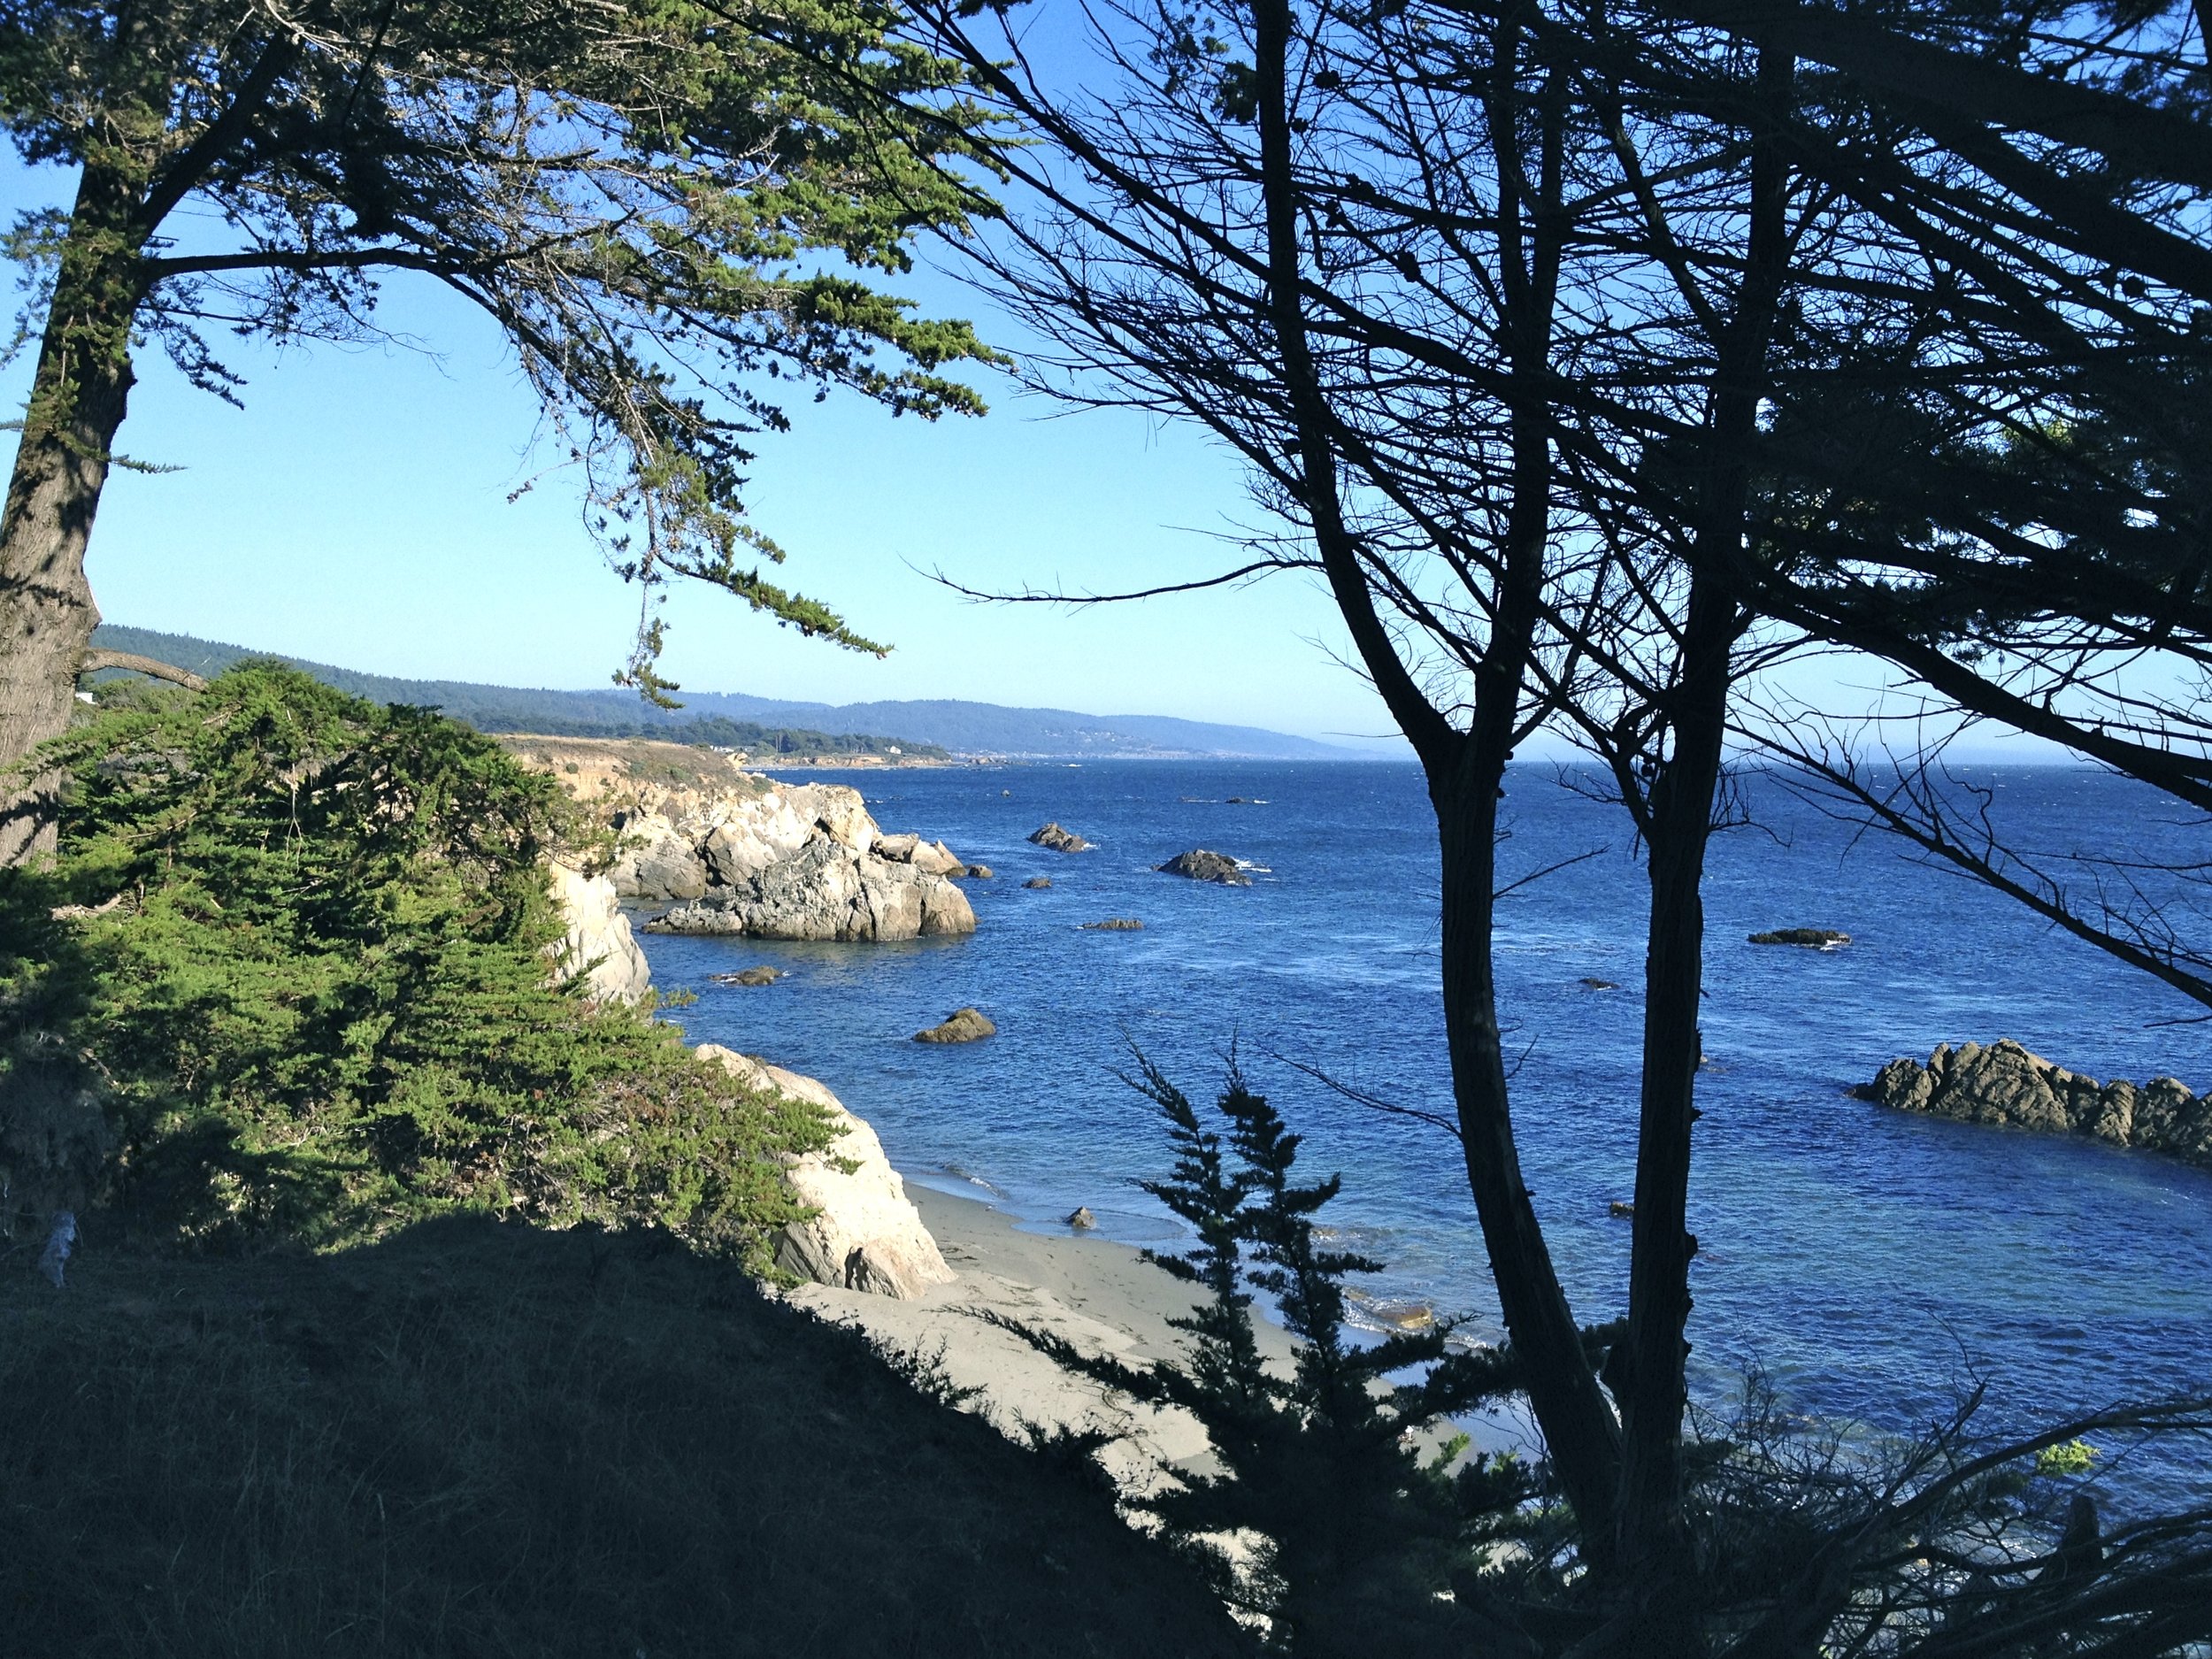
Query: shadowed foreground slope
(480,1438)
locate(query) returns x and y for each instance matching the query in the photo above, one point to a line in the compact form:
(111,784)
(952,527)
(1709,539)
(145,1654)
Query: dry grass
(476,1439)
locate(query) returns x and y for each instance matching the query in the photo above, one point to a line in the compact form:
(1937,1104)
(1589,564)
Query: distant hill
(499,708)
(968,728)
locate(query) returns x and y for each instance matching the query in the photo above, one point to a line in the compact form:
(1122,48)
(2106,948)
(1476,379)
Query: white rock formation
(599,941)
(744,853)
(867,1234)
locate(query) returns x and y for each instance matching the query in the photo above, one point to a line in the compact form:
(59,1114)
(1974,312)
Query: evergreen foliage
(291,978)
(1355,1534)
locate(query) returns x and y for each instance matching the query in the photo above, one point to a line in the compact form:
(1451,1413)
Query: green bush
(289,979)
(1351,1537)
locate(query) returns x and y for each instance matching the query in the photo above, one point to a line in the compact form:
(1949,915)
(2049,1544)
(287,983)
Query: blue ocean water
(1867,1260)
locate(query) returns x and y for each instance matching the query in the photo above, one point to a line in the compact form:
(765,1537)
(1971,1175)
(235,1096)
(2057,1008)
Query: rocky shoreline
(735,852)
(2005,1085)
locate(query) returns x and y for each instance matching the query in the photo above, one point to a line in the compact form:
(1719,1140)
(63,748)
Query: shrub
(1356,1535)
(2069,1457)
(293,961)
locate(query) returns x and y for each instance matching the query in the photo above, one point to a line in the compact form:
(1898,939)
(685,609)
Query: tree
(660,202)
(1367,249)
(296,974)
(1356,1530)
(1992,477)
(1496,301)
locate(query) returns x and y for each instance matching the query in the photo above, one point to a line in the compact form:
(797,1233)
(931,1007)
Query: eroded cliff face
(865,1233)
(738,853)
(598,944)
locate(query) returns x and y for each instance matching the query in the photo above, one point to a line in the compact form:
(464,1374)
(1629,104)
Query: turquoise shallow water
(1869,1260)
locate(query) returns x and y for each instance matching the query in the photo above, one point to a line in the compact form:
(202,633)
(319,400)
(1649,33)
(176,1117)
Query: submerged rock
(1409,1316)
(1113,925)
(1060,841)
(1200,865)
(2004,1084)
(1037,881)
(865,1233)
(748,976)
(1811,938)
(966,1024)
(1600,985)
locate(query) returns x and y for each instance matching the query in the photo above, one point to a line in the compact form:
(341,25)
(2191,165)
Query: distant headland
(773,731)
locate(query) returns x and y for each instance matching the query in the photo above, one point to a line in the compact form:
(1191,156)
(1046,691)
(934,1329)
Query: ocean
(1870,1264)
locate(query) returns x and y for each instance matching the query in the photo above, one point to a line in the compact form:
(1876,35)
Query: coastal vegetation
(1330,1523)
(1599,360)
(290,979)
(417,1302)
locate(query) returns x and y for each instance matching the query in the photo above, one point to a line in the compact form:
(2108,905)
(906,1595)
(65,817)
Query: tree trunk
(1650,1383)
(83,382)
(1464,771)
(1653,1540)
(1577,1423)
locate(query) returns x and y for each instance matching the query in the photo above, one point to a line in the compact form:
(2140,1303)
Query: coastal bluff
(735,852)
(2003,1084)
(864,1233)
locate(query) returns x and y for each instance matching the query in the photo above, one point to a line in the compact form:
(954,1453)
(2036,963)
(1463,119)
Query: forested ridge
(925,727)
(503,709)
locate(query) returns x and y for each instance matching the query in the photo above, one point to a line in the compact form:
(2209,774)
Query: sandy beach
(1100,1295)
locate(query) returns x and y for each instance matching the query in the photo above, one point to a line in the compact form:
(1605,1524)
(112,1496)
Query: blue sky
(355,512)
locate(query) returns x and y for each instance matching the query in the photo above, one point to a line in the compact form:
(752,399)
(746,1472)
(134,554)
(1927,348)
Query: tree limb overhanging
(676,214)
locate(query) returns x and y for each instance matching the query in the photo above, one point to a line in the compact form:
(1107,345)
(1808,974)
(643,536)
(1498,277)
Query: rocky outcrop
(1060,841)
(966,1024)
(1112,925)
(2004,1084)
(1200,865)
(598,944)
(931,857)
(742,854)
(1037,881)
(865,1233)
(825,890)
(1809,938)
(748,976)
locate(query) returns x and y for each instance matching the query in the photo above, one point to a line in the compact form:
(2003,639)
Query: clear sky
(355,512)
